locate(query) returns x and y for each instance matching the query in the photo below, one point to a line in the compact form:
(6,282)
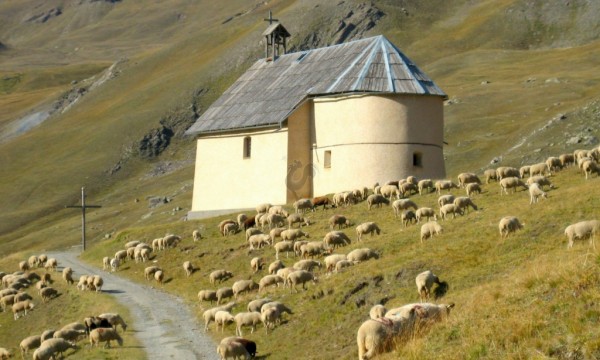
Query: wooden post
(83,207)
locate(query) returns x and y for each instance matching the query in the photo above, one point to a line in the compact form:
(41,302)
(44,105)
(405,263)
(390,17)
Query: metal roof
(270,91)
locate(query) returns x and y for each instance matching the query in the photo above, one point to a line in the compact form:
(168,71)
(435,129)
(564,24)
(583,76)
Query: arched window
(247,147)
(417,159)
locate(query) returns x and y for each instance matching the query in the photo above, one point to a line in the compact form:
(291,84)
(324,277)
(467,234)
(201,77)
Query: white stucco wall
(373,138)
(224,180)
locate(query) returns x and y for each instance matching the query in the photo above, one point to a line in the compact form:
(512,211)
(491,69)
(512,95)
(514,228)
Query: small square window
(327,159)
(247,147)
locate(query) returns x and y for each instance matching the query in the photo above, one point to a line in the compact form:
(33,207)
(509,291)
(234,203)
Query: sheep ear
(450,306)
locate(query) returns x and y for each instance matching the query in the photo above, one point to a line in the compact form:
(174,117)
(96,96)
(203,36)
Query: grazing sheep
(74,326)
(150,271)
(196,235)
(259,241)
(554,164)
(334,239)
(236,347)
(21,307)
(51,264)
(297,219)
(535,191)
(589,167)
(293,234)
(524,171)
(69,334)
(251,319)
(270,317)
(222,318)
(428,314)
(506,171)
(338,199)
(376,199)
(429,229)
(159,276)
(282,246)
(222,225)
(320,201)
(188,268)
(29,343)
(490,174)
(473,188)
(279,306)
(48,293)
(539,169)
(314,248)
(445,199)
(114,264)
(209,315)
(274,220)
(450,209)
(95,322)
(306,264)
(425,281)
(98,282)
(22,297)
(511,183)
(52,349)
(249,223)
(303,205)
(207,295)
(382,334)
(105,335)
(339,220)
(467,178)
(263,208)
(463,203)
(367,228)
(360,255)
(7,300)
(256,305)
(256,264)
(332,260)
(47,334)
(224,293)
(407,217)
(230,229)
(582,230)
(276,233)
(566,160)
(105,263)
(425,184)
(24,266)
(377,311)
(242,286)
(348,198)
(67,275)
(300,277)
(252,231)
(171,241)
(444,185)
(541,181)
(274,266)
(269,280)
(390,191)
(121,255)
(425,212)
(403,204)
(508,224)
(408,189)
(220,276)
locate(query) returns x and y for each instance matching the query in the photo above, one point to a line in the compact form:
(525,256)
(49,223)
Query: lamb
(376,199)
(222,225)
(263,208)
(467,178)
(320,201)
(472,188)
(524,171)
(256,264)
(403,204)
(224,293)
(425,212)
(220,276)
(367,228)
(236,347)
(509,224)
(380,335)
(274,266)
(21,307)
(506,171)
(444,185)
(29,343)
(252,231)
(490,174)
(297,218)
(302,205)
(270,317)
(150,270)
(335,239)
(242,286)
(222,318)
(425,281)
(589,167)
(332,260)
(429,229)
(259,240)
(377,311)
(339,220)
(69,334)
(300,277)
(251,319)
(207,295)
(282,246)
(48,293)
(445,199)
(159,276)
(196,235)
(293,234)
(425,184)
(269,280)
(450,209)
(511,183)
(360,255)
(209,315)
(582,230)
(463,202)
(307,265)
(535,191)
(539,169)
(256,305)
(105,335)
(51,347)
(314,248)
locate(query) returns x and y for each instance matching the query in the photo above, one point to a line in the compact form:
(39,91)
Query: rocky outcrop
(44,16)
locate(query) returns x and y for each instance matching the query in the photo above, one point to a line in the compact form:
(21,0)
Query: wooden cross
(83,206)
(270,19)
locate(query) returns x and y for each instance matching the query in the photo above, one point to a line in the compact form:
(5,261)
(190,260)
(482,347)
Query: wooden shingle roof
(270,91)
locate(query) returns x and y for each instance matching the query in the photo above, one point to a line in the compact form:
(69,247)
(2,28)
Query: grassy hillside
(523,297)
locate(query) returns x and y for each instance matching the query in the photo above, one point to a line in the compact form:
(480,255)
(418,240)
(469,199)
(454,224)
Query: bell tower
(275,36)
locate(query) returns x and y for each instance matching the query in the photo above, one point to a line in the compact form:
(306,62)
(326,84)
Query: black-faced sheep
(508,224)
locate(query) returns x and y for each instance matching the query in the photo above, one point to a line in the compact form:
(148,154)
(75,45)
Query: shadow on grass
(265,356)
(113,291)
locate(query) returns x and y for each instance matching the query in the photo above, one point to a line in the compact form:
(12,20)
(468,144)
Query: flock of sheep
(52,343)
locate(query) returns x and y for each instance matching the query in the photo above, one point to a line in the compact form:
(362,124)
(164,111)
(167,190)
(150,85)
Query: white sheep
(376,200)
(463,203)
(425,281)
(207,295)
(566,160)
(196,235)
(69,334)
(511,182)
(30,343)
(524,171)
(339,220)
(259,241)
(21,307)
(408,216)
(408,189)
(403,204)
(230,229)
(367,228)
(425,184)
(390,191)
(535,191)
(539,169)
(425,212)
(256,264)
(303,205)
(222,318)
(541,181)
(67,275)
(4,353)
(114,264)
(224,293)
(279,210)
(589,167)
(297,219)
(360,255)
(490,174)
(509,224)
(188,268)
(287,246)
(263,208)
(335,239)
(332,260)
(348,198)
(51,264)
(105,263)
(219,275)
(553,163)
(52,348)
(300,277)
(105,335)
(252,231)
(270,317)
(467,178)
(377,311)
(449,209)
(159,276)
(209,315)
(276,233)
(274,266)
(444,185)
(149,272)
(472,188)
(274,220)
(269,280)
(293,234)
(582,230)
(445,199)
(429,229)
(256,305)
(506,171)
(314,248)
(242,286)
(251,318)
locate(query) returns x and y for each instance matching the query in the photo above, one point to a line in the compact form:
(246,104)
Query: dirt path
(164,324)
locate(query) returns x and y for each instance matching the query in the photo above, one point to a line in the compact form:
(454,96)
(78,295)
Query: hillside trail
(162,322)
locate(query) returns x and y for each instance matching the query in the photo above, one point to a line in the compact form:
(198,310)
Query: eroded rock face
(155,142)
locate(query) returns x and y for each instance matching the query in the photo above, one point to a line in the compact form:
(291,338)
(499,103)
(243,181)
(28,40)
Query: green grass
(523,297)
